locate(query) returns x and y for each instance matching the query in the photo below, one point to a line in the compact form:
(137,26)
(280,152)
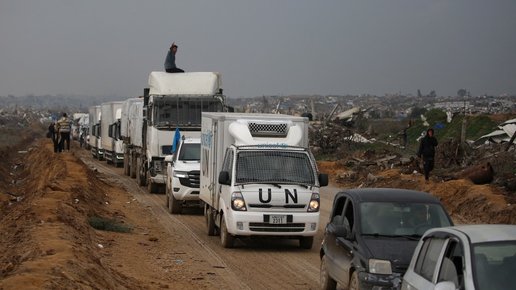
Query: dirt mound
(465,201)
(48,242)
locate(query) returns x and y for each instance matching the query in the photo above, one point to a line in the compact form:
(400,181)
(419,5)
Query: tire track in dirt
(253,264)
(169,222)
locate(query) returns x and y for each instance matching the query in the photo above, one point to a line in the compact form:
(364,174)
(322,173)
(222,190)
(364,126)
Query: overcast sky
(262,47)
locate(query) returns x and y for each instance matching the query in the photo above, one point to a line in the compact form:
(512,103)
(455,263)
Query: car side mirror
(323,179)
(224,178)
(445,285)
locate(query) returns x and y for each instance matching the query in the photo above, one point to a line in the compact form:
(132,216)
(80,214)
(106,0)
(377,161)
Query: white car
(464,257)
(183,170)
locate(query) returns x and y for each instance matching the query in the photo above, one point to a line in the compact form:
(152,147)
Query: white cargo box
(192,83)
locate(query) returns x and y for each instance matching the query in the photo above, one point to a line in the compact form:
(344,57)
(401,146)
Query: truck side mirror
(323,179)
(224,178)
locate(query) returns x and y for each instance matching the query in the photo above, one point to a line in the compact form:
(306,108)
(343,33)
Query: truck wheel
(327,283)
(174,205)
(126,166)
(226,239)
(140,179)
(306,242)
(132,167)
(152,187)
(210,222)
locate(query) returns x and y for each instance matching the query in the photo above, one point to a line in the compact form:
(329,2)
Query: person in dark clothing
(53,135)
(170,61)
(64,127)
(427,151)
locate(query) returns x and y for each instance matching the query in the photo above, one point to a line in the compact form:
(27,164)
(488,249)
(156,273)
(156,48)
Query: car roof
(483,233)
(388,195)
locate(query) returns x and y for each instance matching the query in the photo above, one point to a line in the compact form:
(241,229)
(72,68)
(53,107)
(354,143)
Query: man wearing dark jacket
(170,60)
(427,151)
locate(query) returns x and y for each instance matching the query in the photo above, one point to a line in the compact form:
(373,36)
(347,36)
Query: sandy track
(253,264)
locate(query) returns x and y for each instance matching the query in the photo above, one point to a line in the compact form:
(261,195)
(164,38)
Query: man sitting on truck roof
(170,61)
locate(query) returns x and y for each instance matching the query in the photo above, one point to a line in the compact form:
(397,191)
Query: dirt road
(253,264)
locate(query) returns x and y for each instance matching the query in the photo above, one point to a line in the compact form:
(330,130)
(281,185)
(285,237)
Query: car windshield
(401,219)
(270,166)
(183,112)
(190,152)
(494,265)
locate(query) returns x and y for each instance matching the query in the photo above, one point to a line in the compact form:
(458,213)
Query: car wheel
(353,282)
(210,222)
(306,242)
(226,239)
(327,283)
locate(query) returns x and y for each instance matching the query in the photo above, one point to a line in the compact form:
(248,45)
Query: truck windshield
(183,111)
(285,167)
(190,152)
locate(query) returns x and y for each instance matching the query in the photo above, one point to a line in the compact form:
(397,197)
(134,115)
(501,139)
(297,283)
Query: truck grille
(266,227)
(267,130)
(193,179)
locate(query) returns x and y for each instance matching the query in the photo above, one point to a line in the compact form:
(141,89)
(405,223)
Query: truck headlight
(380,267)
(180,174)
(313,205)
(237,201)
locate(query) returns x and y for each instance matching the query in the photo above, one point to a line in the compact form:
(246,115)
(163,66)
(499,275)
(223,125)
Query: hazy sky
(261,47)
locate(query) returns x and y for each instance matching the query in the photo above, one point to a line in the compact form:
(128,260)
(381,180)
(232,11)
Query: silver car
(464,257)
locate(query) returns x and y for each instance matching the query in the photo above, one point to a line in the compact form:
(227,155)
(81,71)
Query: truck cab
(183,168)
(259,178)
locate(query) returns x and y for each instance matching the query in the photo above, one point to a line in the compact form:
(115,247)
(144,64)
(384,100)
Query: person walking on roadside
(52,132)
(170,61)
(427,152)
(64,127)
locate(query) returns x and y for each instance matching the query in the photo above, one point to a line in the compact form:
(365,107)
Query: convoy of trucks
(258,177)
(252,174)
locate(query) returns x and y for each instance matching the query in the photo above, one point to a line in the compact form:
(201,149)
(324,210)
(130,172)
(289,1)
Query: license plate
(278,219)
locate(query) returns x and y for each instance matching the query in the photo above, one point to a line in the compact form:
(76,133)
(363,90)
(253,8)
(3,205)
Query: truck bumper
(182,192)
(159,179)
(259,224)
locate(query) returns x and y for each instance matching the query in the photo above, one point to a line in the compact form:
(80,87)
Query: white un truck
(258,177)
(173,101)
(95,143)
(110,133)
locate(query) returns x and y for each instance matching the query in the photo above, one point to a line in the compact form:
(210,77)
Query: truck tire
(353,282)
(210,221)
(127,171)
(140,180)
(152,187)
(175,206)
(226,239)
(326,281)
(306,242)
(132,166)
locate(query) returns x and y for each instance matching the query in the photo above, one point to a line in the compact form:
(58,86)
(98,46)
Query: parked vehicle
(464,257)
(110,133)
(372,233)
(94,133)
(131,128)
(258,177)
(183,170)
(172,101)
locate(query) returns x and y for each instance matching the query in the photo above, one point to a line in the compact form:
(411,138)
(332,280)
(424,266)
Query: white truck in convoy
(110,133)
(95,143)
(183,169)
(173,101)
(131,126)
(258,177)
